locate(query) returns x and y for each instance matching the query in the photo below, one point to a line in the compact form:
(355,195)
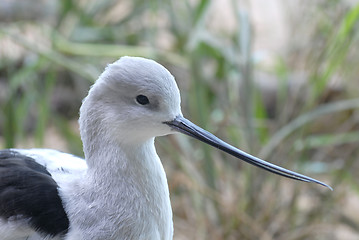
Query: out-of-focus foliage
(300,111)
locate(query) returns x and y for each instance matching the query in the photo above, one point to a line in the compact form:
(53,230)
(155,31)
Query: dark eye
(142,99)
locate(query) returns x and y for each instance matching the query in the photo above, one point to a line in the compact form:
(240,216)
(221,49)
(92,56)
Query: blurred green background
(279,79)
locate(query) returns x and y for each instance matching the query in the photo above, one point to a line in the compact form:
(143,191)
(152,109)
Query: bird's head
(136,99)
(131,100)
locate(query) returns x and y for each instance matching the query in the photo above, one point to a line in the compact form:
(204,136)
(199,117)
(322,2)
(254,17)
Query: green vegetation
(311,128)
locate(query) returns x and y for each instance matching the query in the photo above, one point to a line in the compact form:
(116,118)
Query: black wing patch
(28,191)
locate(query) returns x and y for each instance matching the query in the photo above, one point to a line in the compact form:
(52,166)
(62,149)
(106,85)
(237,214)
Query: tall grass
(214,196)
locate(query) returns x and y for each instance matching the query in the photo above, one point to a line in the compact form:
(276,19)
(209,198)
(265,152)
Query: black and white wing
(29,198)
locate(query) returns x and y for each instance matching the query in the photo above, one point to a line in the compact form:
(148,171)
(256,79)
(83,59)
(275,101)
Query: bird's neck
(124,161)
(130,183)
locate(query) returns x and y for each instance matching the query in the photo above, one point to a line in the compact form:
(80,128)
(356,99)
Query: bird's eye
(142,99)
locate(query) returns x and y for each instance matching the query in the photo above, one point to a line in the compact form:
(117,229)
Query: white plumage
(121,191)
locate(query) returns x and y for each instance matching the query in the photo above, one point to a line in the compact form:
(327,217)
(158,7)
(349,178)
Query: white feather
(121,191)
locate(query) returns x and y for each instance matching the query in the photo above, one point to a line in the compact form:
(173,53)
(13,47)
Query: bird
(119,190)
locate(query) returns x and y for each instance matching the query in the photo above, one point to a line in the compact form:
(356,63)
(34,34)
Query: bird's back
(30,205)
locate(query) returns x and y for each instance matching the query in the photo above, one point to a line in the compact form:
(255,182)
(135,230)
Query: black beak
(181,124)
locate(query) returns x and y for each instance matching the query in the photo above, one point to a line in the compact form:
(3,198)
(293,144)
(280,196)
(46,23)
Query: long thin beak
(181,124)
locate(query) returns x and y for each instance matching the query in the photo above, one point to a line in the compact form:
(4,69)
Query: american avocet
(120,191)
